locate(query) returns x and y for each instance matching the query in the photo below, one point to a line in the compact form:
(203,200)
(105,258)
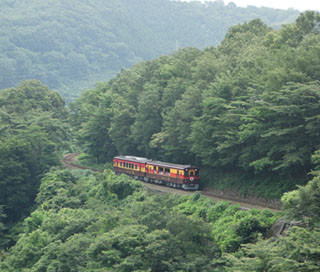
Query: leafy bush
(230,226)
(93,222)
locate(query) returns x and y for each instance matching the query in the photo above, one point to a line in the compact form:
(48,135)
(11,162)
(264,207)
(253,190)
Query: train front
(191,178)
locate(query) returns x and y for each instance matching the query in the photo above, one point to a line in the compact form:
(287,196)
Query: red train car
(186,177)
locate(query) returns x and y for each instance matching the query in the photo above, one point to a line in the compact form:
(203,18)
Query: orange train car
(180,176)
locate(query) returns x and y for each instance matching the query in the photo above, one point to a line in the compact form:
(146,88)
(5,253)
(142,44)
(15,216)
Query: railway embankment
(250,202)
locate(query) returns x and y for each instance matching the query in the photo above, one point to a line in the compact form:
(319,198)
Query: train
(178,176)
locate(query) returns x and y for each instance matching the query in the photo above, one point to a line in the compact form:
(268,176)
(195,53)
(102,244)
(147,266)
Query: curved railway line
(70,161)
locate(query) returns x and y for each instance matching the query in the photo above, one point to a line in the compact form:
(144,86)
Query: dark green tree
(3,239)
(94,133)
(287,123)
(297,251)
(147,121)
(119,131)
(303,203)
(33,133)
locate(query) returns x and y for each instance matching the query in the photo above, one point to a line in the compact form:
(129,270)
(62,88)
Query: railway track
(70,161)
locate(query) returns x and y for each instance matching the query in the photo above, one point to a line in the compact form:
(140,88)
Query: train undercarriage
(183,186)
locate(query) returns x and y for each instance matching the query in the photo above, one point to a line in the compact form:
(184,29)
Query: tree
(3,239)
(94,133)
(303,204)
(16,180)
(297,251)
(147,121)
(286,121)
(177,126)
(122,119)
(33,132)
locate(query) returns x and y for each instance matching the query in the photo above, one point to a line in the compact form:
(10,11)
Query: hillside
(33,132)
(247,111)
(103,222)
(70,45)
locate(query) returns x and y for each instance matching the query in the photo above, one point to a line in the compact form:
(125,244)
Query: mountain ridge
(71,45)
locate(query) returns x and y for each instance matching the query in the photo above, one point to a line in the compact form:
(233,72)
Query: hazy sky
(281,4)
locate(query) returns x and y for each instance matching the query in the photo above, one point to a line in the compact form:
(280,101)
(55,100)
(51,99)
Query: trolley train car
(180,176)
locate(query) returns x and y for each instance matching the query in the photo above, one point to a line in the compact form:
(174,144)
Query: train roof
(133,159)
(171,165)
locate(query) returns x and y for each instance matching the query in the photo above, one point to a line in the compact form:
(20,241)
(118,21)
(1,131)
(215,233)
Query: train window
(191,173)
(135,166)
(197,172)
(127,165)
(160,170)
(130,165)
(167,171)
(186,172)
(120,163)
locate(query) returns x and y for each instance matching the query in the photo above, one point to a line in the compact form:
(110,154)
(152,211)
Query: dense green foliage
(303,204)
(33,129)
(298,250)
(70,45)
(249,107)
(3,239)
(103,222)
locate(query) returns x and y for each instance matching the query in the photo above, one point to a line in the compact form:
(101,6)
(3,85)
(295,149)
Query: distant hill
(70,45)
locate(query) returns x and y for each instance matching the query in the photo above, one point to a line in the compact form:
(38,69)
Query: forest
(247,112)
(34,131)
(70,45)
(86,221)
